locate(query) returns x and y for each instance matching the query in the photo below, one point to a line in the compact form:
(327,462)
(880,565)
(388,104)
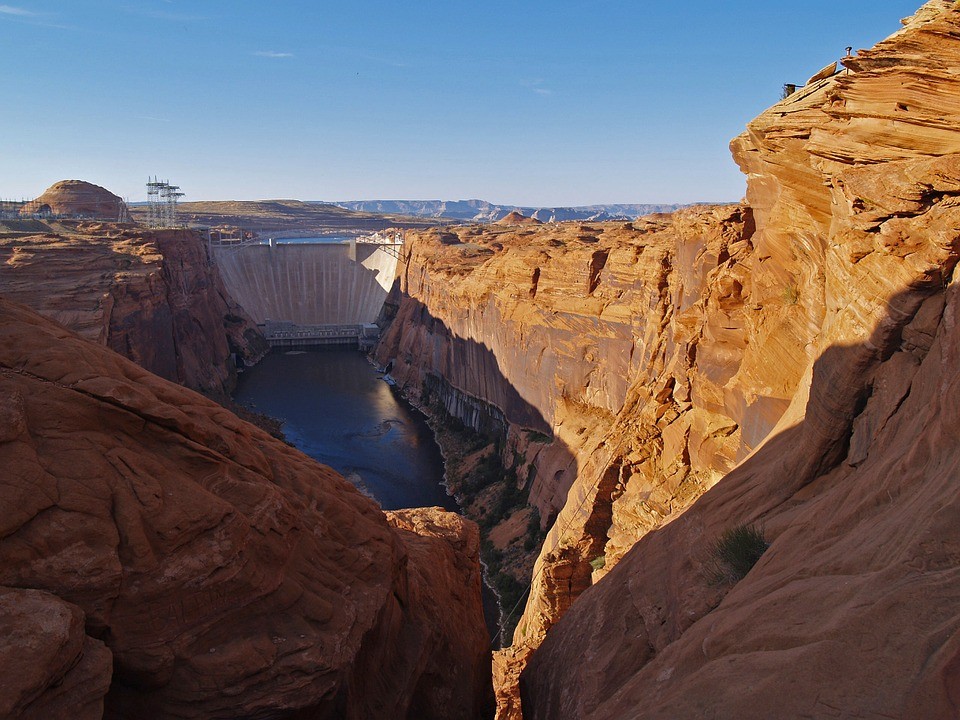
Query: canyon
(787,364)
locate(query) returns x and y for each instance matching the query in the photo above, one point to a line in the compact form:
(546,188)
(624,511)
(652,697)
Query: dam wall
(309,283)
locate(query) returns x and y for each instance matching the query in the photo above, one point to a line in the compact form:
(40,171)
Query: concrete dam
(310,293)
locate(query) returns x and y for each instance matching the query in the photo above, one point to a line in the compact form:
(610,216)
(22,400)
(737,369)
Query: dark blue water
(337,410)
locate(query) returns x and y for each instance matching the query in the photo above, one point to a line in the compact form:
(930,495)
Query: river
(337,410)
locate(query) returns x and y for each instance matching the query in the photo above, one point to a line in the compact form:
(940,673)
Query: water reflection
(337,410)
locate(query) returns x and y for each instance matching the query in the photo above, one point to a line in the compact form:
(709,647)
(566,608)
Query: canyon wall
(740,364)
(151,295)
(852,610)
(219,572)
(643,350)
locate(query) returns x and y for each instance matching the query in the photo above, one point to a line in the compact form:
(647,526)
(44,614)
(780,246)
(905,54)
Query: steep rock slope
(151,295)
(227,574)
(852,611)
(650,352)
(662,354)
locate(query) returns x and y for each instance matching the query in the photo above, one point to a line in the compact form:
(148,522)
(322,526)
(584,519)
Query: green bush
(735,552)
(599,562)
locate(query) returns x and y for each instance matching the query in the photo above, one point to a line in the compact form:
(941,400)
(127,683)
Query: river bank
(489,492)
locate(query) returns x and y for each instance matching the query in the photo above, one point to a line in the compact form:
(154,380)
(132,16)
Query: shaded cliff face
(226,573)
(852,609)
(151,295)
(60,670)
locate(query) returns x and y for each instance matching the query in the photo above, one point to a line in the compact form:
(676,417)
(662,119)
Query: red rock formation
(852,610)
(228,574)
(638,347)
(664,354)
(51,668)
(152,296)
(77,198)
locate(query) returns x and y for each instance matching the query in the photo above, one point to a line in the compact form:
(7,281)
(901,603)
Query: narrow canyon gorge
(624,394)
(784,363)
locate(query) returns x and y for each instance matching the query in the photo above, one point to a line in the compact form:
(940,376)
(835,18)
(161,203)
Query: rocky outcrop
(852,182)
(452,678)
(765,351)
(517,218)
(51,667)
(151,295)
(77,198)
(228,574)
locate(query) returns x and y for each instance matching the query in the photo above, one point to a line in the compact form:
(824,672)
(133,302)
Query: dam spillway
(315,287)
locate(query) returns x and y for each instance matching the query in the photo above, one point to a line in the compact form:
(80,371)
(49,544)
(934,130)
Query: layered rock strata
(151,295)
(779,338)
(632,364)
(227,574)
(853,181)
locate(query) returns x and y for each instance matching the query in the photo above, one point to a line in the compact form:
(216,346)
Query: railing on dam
(287,334)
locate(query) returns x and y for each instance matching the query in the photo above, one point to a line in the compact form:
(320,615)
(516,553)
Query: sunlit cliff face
(663,355)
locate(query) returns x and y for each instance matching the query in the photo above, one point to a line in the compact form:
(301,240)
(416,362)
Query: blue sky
(539,103)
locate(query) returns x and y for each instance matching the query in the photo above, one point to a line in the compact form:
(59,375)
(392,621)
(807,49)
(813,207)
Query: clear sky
(534,103)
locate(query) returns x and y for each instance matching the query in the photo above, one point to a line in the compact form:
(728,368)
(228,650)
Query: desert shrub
(539,437)
(735,552)
(599,562)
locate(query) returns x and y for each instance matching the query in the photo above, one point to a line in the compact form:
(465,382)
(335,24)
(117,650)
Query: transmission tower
(171,193)
(153,199)
(162,198)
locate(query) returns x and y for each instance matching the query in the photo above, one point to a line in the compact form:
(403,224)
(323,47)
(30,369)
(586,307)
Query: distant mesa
(517,218)
(481,211)
(76,198)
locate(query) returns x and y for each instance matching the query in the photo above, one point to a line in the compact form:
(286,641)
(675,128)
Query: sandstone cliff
(766,351)
(630,363)
(227,574)
(853,183)
(151,295)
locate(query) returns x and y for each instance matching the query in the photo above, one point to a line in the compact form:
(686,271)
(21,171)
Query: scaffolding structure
(162,198)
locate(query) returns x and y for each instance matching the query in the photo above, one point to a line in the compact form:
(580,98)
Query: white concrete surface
(309,284)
